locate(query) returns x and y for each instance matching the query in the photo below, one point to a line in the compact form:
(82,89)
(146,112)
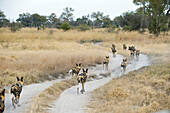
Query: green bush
(83,27)
(65,26)
(111,28)
(127,28)
(43,27)
(15,26)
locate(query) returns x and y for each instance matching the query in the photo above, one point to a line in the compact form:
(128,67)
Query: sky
(113,8)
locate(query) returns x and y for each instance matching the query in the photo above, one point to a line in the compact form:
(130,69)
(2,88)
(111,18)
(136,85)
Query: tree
(67,15)
(131,19)
(98,17)
(3,21)
(34,20)
(25,19)
(38,20)
(107,22)
(83,20)
(156,12)
(53,20)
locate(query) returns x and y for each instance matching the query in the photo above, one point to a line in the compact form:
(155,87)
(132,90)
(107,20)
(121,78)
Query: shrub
(15,26)
(127,28)
(83,27)
(43,27)
(111,28)
(65,26)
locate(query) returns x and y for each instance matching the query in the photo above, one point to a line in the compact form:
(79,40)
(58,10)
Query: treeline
(152,15)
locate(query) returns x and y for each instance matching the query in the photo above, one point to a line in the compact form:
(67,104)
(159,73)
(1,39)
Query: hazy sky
(12,8)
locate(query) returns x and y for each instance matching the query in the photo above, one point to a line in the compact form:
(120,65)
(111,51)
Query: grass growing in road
(42,101)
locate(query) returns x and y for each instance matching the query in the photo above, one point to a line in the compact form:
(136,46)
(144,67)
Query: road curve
(70,102)
(27,94)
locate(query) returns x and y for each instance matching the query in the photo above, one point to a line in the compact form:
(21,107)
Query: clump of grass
(105,74)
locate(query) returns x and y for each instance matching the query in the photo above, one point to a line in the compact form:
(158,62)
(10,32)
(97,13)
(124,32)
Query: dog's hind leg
(18,100)
(82,90)
(13,100)
(78,87)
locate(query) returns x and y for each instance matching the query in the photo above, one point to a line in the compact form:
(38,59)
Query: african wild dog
(38,28)
(124,47)
(94,41)
(123,64)
(137,52)
(16,91)
(81,79)
(132,53)
(106,62)
(113,45)
(2,101)
(113,50)
(132,48)
(76,69)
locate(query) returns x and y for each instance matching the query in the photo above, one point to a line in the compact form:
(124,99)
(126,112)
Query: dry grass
(42,58)
(39,66)
(143,91)
(38,54)
(32,35)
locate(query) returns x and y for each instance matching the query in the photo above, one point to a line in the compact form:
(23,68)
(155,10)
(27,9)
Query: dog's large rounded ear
(22,79)
(17,78)
(3,92)
(80,64)
(86,70)
(76,64)
(83,70)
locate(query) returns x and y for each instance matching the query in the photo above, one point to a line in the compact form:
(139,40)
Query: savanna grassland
(43,55)
(143,91)
(40,56)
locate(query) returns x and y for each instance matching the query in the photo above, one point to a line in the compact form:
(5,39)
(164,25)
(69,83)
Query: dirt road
(27,94)
(70,102)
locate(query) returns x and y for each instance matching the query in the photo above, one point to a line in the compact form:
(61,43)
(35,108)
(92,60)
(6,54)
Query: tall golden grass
(31,35)
(38,54)
(37,60)
(38,66)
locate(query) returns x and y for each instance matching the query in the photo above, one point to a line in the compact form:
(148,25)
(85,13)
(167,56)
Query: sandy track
(27,94)
(70,102)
